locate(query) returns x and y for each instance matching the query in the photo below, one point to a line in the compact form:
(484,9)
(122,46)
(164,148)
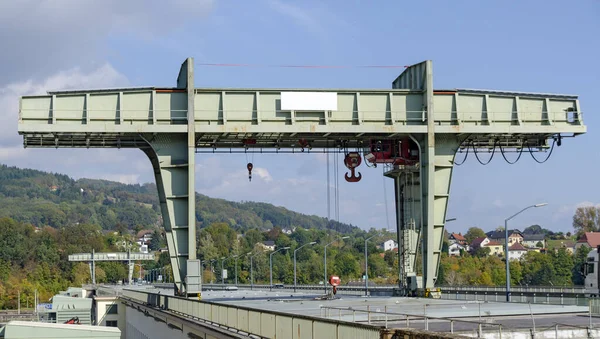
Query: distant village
(492,244)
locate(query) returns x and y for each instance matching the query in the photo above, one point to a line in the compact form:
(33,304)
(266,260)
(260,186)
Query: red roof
(517,247)
(458,237)
(591,238)
(493,243)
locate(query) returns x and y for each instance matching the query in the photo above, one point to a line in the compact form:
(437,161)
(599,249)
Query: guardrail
(266,324)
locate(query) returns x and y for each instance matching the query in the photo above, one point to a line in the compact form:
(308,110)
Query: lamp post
(222,279)
(212,271)
(325,264)
(367,266)
(271,265)
(251,273)
(310,243)
(506,247)
(236,258)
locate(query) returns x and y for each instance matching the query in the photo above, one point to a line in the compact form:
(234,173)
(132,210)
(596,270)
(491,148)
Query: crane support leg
(436,174)
(173,159)
(169,159)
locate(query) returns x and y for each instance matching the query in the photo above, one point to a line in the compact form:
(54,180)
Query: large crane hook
(352,160)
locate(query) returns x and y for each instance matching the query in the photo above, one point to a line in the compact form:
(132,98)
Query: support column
(436,175)
(408,221)
(169,157)
(173,160)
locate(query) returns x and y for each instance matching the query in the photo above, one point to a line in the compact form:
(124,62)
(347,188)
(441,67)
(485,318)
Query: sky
(536,46)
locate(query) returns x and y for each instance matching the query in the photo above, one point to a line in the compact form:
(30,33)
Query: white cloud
(39,36)
(103,76)
(298,15)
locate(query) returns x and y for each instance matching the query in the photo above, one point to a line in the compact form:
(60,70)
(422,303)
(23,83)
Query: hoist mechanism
(394,152)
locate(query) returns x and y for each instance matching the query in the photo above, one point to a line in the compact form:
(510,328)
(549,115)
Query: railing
(258,322)
(372,315)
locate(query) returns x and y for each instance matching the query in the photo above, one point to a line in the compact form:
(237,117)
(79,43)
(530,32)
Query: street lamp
(271,264)
(236,258)
(212,271)
(506,247)
(325,264)
(367,266)
(251,273)
(222,279)
(310,243)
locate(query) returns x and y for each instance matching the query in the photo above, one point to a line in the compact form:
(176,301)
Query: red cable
(299,66)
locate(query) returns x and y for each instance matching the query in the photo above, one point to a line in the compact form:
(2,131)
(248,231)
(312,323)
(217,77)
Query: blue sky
(540,46)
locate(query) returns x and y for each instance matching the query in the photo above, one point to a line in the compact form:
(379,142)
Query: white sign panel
(308,101)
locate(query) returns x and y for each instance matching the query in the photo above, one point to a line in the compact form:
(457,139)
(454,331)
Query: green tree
(473,233)
(586,219)
(563,266)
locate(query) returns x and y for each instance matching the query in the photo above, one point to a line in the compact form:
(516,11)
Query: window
(111,323)
(112,309)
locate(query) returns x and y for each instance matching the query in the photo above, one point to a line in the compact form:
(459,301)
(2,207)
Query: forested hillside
(56,200)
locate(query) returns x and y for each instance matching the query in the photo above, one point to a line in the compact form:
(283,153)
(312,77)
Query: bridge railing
(263,323)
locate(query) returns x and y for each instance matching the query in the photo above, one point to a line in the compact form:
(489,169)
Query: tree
(157,240)
(586,219)
(473,233)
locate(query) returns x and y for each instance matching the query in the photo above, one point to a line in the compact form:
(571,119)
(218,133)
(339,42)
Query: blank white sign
(308,101)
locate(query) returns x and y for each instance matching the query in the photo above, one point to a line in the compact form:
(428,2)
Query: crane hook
(249,167)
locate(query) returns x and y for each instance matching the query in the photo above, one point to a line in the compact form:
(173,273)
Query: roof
(591,238)
(501,234)
(458,237)
(30,329)
(517,247)
(493,243)
(269,243)
(534,237)
(143,232)
(477,241)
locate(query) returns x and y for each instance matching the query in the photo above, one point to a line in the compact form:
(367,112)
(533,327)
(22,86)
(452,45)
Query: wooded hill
(56,200)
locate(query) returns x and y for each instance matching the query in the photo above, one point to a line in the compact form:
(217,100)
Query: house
(516,251)
(532,240)
(143,240)
(499,236)
(268,245)
(495,247)
(568,245)
(389,245)
(458,239)
(590,239)
(455,248)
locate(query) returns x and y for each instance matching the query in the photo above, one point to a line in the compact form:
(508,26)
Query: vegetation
(44,217)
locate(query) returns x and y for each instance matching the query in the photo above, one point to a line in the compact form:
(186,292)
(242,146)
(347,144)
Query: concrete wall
(101,304)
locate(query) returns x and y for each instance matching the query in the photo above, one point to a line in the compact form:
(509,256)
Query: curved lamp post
(506,246)
(310,243)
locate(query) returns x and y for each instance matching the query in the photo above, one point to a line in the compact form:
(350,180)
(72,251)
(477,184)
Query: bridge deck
(225,116)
